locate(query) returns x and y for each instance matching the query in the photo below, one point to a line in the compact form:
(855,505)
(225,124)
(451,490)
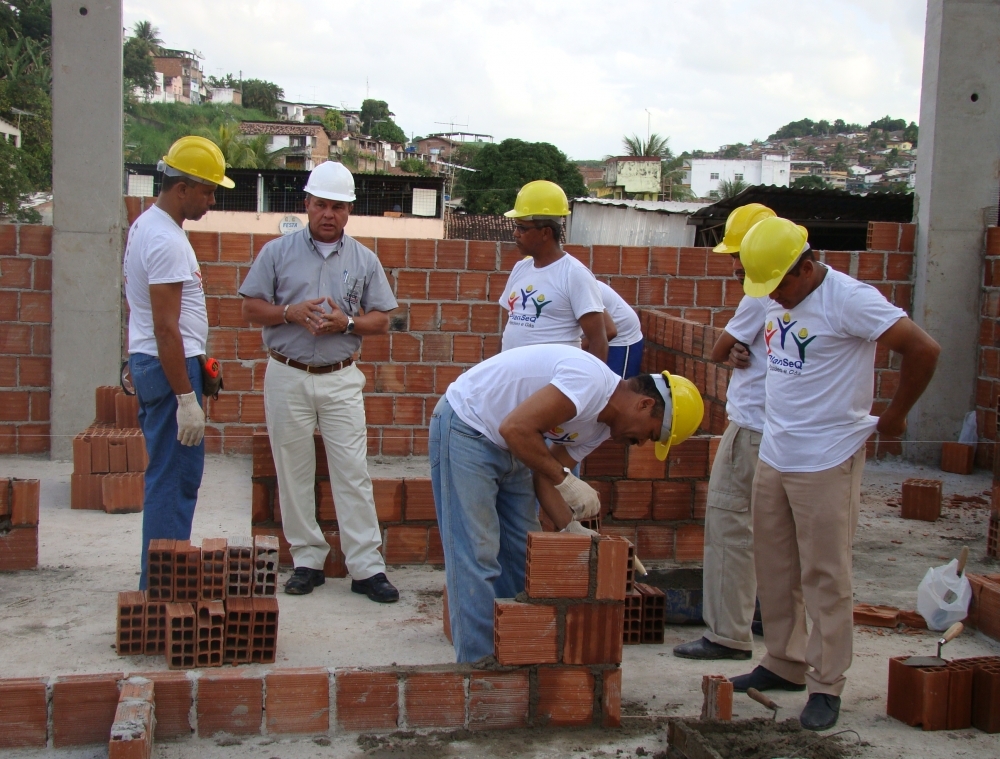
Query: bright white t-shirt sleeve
(584,294)
(575,379)
(166,262)
(748,320)
(865,313)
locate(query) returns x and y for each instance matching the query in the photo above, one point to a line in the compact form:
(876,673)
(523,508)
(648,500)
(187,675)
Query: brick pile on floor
(964,693)
(18,524)
(204,606)
(109,457)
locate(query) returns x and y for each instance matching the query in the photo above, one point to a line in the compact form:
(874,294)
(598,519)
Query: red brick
(24,503)
(19,549)
(419,500)
(607,460)
(390,378)
(651,291)
(14,406)
(36,240)
(33,438)
(391,252)
(435,699)
(680,292)
(957,458)
(607,259)
(335,564)
(397,441)
(643,464)
(423,318)
(437,348)
(420,254)
(15,339)
(83,709)
(454,317)
(565,696)
(558,565)
(525,633)
(15,273)
(654,542)
(388,499)
(405,545)
(612,567)
(921,499)
(8,239)
(409,410)
(411,285)
(611,699)
(883,235)
(442,285)
(435,550)
(633,499)
(23,713)
(690,542)
(451,254)
(672,500)
(839,261)
(634,260)
(689,459)
(259,241)
(871,267)
(907,237)
(420,378)
(899,266)
(594,633)
(498,700)
(468,349)
(297,701)
(235,247)
(367,700)
(405,347)
(231,703)
(444,376)
(473,286)
(249,345)
(34,372)
(482,256)
(8,371)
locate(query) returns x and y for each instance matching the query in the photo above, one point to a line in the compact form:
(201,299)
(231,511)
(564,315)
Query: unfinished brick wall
(988,382)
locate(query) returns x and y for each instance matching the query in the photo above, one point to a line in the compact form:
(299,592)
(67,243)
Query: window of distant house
(738,177)
(714,175)
(297,142)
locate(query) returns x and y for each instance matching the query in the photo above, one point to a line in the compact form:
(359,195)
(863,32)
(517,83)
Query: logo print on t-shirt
(784,329)
(559,436)
(528,294)
(801,339)
(803,342)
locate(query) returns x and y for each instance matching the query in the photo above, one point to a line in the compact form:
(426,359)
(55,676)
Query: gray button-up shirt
(290,270)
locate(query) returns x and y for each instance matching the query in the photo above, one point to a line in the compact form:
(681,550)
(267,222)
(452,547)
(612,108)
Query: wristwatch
(349,329)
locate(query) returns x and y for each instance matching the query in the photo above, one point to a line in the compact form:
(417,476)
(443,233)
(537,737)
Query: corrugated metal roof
(659,206)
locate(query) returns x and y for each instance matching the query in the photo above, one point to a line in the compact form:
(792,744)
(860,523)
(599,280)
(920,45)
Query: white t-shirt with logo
(487,393)
(629,328)
(157,253)
(545,305)
(821,369)
(745,395)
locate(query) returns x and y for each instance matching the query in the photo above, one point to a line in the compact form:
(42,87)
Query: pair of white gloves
(582,500)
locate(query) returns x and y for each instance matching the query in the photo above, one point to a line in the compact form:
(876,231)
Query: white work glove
(580,497)
(576,528)
(190,420)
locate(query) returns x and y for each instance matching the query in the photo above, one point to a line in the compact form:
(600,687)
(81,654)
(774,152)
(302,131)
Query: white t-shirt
(629,328)
(158,252)
(545,305)
(745,395)
(821,368)
(487,393)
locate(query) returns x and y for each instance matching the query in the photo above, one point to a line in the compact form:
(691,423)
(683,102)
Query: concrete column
(88,213)
(958,177)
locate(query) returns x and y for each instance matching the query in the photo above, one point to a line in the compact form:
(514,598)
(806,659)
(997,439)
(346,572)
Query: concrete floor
(60,619)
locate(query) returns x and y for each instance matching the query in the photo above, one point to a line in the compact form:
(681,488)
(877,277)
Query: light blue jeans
(485,504)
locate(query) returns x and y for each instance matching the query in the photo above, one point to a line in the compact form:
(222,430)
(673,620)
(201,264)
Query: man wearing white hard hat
(317,292)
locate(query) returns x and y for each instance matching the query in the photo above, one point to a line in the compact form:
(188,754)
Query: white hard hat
(331,180)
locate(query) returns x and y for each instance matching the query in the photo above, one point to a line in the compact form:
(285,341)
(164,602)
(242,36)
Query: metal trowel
(936,661)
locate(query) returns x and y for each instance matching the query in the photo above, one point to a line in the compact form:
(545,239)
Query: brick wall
(25,345)
(988,382)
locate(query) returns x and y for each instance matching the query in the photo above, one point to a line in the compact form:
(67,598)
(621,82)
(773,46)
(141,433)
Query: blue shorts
(626,360)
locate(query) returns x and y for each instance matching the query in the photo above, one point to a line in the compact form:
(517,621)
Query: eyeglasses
(522,228)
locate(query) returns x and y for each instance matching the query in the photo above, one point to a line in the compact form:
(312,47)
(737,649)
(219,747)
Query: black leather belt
(309,368)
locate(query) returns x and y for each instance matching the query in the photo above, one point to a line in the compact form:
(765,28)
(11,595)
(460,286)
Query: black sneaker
(763,679)
(703,648)
(303,580)
(821,712)
(377,588)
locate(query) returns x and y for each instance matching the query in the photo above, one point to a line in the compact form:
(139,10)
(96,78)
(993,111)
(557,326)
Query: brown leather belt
(309,368)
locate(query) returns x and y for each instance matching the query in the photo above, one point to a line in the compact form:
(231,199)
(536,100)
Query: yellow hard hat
(540,199)
(739,223)
(199,159)
(768,251)
(687,411)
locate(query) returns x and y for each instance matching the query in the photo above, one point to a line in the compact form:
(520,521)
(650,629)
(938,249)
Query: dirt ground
(60,619)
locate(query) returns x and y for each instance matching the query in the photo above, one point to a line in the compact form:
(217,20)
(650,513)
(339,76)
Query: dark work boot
(377,588)
(763,679)
(703,648)
(821,712)
(303,580)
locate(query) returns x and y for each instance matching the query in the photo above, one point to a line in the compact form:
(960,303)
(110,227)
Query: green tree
(503,168)
(656,145)
(146,32)
(258,156)
(373,111)
(811,182)
(730,188)
(389,131)
(222,82)
(231,142)
(25,18)
(262,95)
(888,124)
(415,166)
(137,65)
(911,133)
(733,151)
(16,184)
(672,180)
(333,121)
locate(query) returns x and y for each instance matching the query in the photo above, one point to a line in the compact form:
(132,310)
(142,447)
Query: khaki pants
(296,402)
(804,524)
(729,583)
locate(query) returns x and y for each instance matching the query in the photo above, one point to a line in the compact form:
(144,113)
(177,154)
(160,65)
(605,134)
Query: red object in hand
(212,367)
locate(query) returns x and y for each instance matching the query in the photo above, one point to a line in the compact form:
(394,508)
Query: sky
(578,74)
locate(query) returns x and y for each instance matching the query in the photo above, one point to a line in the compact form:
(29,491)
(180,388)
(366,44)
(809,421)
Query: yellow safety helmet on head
(686,411)
(739,223)
(540,199)
(196,158)
(768,251)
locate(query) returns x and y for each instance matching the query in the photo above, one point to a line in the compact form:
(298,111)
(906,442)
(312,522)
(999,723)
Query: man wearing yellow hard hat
(510,429)
(167,332)
(550,296)
(729,585)
(821,328)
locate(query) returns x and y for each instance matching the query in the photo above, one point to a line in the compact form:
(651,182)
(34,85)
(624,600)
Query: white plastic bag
(932,591)
(969,434)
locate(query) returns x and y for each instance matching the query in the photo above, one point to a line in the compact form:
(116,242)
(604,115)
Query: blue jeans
(626,360)
(173,475)
(485,504)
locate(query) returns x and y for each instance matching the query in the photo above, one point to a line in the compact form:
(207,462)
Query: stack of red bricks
(965,693)
(205,606)
(18,524)
(569,626)
(132,730)
(984,609)
(988,381)
(109,457)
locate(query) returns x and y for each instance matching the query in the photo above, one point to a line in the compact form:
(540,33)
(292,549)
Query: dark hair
(554,224)
(170,182)
(643,385)
(807,256)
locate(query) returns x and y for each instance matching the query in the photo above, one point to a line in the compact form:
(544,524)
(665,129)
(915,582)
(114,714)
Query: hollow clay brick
(229,702)
(5,498)
(187,572)
(611,698)
(24,496)
(211,630)
(633,499)
(921,499)
(612,569)
(104,400)
(98,451)
(435,699)
(297,701)
(937,698)
(419,500)
(690,542)
(912,619)
(135,449)
(117,455)
(718,701)
(182,636)
(214,555)
(565,696)
(83,709)
(594,634)
(388,499)
(335,565)
(524,633)
(654,542)
(643,464)
(173,698)
(654,609)
(126,411)
(986,696)
(131,622)
(558,565)
(367,700)
(239,626)
(123,493)
(81,454)
(876,616)
(19,549)
(23,713)
(264,632)
(132,730)
(241,566)
(261,510)
(284,549)
(435,549)
(632,625)
(958,458)
(498,700)
(688,459)
(265,578)
(263,461)
(86,492)
(405,544)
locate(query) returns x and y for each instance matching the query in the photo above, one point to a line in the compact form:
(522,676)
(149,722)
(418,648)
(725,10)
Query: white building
(604,221)
(10,133)
(704,175)
(225,95)
(291,111)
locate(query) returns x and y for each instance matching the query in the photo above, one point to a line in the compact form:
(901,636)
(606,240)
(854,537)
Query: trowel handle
(640,570)
(962,558)
(951,633)
(761,699)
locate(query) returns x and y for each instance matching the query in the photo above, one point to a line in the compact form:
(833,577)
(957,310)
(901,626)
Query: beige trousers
(295,403)
(804,525)
(729,584)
